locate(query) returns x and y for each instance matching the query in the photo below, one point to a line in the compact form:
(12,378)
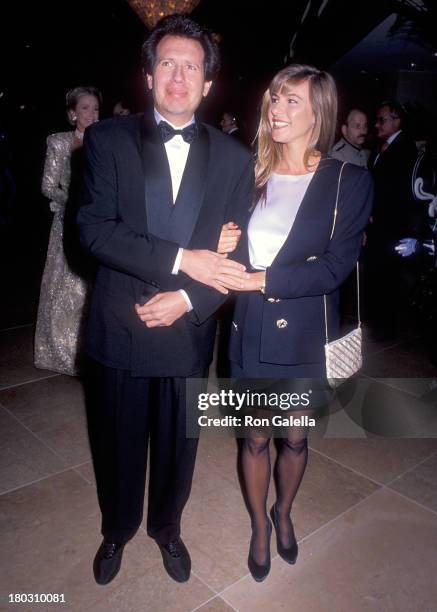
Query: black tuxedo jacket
(308,265)
(396,215)
(128,222)
(238,135)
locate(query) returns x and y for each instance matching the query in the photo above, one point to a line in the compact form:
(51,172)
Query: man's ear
(206,88)
(344,130)
(149,81)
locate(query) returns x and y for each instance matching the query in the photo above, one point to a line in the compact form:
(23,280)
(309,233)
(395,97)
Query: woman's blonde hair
(323,97)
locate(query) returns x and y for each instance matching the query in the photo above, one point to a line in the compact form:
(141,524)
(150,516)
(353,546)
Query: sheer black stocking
(289,469)
(255,464)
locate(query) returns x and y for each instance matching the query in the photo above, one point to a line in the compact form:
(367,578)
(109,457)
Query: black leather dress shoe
(107,561)
(259,572)
(176,559)
(289,554)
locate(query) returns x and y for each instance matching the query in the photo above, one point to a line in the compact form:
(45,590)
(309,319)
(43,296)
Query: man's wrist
(185,256)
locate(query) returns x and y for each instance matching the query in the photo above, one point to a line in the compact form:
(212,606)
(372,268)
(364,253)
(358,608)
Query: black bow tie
(189,133)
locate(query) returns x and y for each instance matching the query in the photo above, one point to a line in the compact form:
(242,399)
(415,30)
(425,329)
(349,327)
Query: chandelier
(151,11)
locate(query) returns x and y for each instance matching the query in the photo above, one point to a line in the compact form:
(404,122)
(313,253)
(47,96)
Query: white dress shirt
(177,153)
(272,220)
(392,137)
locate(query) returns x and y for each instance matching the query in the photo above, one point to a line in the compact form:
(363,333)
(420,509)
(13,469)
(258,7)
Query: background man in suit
(396,215)
(229,125)
(157,190)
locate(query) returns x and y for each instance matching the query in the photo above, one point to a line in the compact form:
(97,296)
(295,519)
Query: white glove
(406,247)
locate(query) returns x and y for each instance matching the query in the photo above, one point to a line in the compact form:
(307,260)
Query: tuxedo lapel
(384,155)
(176,222)
(192,190)
(158,188)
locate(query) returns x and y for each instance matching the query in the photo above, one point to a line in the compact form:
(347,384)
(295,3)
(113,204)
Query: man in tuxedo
(157,189)
(396,215)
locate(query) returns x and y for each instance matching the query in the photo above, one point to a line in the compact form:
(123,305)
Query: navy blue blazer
(128,223)
(309,265)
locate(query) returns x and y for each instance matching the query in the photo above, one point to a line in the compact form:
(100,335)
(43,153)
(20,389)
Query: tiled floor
(365,516)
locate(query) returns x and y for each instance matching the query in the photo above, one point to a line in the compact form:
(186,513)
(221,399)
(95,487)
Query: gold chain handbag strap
(358,273)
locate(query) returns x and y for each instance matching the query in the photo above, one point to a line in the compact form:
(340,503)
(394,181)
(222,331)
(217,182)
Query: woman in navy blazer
(278,329)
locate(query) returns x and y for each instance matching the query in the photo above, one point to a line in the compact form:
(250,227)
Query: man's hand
(229,237)
(163,309)
(211,268)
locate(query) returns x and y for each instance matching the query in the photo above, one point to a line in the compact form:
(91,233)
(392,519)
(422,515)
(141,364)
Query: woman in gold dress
(63,289)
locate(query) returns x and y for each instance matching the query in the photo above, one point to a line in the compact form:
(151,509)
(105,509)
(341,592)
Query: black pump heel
(259,572)
(289,554)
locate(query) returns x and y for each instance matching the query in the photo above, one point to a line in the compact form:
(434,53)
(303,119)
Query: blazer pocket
(297,347)
(285,340)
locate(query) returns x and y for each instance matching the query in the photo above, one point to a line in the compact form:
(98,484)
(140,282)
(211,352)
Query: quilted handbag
(343,356)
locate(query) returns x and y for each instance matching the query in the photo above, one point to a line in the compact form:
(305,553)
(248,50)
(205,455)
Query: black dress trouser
(123,413)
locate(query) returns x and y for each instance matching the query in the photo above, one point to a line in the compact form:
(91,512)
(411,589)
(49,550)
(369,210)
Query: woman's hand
(252,281)
(211,268)
(229,237)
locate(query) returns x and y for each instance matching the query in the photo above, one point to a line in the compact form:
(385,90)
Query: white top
(272,221)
